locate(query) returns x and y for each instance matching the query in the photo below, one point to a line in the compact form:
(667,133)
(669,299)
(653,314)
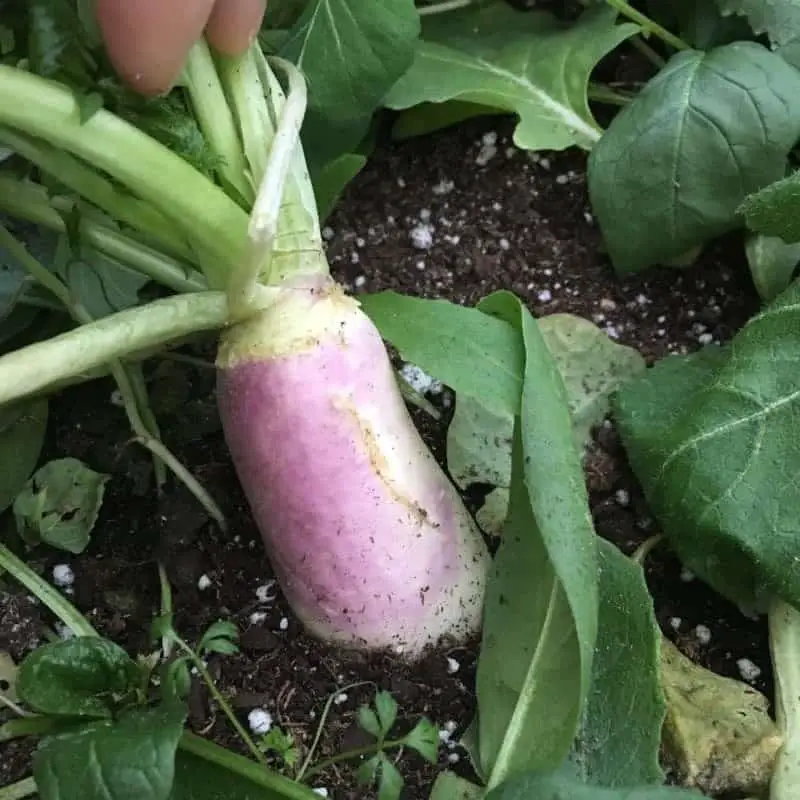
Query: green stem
(320,727)
(443,7)
(13,707)
(367,750)
(222,702)
(22,727)
(784,633)
(141,403)
(645,548)
(648,25)
(45,593)
(246,768)
(32,369)
(30,201)
(147,168)
(654,58)
(216,120)
(604,94)
(263,226)
(97,190)
(18,790)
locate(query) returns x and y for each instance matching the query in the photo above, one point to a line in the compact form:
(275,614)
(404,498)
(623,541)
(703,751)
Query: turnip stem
(29,201)
(784,632)
(263,226)
(32,369)
(149,169)
(98,190)
(216,120)
(45,593)
(145,436)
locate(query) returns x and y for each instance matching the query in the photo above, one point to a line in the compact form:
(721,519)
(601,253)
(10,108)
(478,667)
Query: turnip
(369,540)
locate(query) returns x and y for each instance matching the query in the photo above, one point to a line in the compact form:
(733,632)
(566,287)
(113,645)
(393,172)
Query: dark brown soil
(512,222)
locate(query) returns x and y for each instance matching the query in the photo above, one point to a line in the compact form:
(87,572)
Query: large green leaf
(60,504)
(529,64)
(22,431)
(351,52)
(772,263)
(126,759)
(677,162)
(564,787)
(778,19)
(620,734)
(591,365)
(470,351)
(713,439)
(79,677)
(540,618)
(775,209)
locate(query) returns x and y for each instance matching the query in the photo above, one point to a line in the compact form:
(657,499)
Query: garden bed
(502,220)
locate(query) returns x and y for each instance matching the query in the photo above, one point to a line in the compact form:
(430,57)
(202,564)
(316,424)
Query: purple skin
(369,540)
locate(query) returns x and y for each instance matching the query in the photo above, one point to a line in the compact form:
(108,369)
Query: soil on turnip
(454,215)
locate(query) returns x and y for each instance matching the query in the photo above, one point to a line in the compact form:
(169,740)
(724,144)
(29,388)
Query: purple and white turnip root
(368,538)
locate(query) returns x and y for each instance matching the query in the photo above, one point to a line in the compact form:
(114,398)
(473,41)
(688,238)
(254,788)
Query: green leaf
(367,771)
(564,787)
(717,732)
(386,707)
(127,759)
(448,340)
(772,264)
(775,210)
(221,629)
(60,504)
(540,618)
(620,734)
(449,786)
(676,163)
(176,680)
(524,63)
(351,52)
(13,280)
(199,779)
(778,19)
(331,180)
(712,439)
(22,430)
(368,720)
(424,738)
(101,284)
(390,783)
(84,676)
(592,367)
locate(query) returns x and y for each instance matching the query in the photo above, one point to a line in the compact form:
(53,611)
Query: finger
(234,24)
(147,41)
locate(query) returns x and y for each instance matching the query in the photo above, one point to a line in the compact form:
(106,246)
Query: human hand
(147,41)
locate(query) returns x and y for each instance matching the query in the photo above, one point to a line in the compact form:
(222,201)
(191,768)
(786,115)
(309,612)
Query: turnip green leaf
(540,619)
(775,210)
(22,431)
(529,64)
(386,706)
(424,738)
(778,19)
(60,504)
(83,677)
(772,263)
(125,759)
(562,787)
(351,51)
(712,438)
(676,163)
(620,735)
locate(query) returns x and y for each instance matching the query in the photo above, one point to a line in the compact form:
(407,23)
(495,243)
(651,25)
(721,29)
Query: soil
(500,220)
